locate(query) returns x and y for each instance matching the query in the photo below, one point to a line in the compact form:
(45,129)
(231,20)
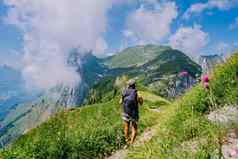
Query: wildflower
(234,153)
(206,85)
(205,78)
(205,81)
(183,74)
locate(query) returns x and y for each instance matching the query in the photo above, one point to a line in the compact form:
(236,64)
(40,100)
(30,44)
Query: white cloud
(226,48)
(51,29)
(195,8)
(190,40)
(222,47)
(198,8)
(101,46)
(234,25)
(150,25)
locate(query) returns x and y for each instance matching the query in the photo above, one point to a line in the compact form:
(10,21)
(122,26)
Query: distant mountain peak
(208,62)
(134,56)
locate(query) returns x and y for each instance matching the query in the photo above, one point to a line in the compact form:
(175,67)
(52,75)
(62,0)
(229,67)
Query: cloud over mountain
(51,29)
(191,40)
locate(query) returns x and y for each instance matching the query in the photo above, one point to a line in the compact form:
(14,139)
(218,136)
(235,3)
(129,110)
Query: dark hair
(133,86)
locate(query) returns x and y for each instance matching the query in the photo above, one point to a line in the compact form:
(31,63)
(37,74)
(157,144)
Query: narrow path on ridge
(144,137)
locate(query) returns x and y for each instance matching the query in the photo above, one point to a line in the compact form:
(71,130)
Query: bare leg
(134,132)
(126,130)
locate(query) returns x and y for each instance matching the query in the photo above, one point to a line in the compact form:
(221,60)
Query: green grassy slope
(171,62)
(23,118)
(98,83)
(152,58)
(164,63)
(89,132)
(183,130)
(134,56)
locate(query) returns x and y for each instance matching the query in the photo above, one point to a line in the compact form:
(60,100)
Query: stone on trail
(225,116)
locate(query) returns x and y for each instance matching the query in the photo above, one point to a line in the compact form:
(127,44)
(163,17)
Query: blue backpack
(130,96)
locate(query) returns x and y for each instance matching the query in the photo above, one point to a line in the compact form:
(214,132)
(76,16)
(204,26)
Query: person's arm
(120,101)
(140,100)
(137,98)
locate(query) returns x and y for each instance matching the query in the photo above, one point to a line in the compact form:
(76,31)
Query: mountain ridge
(95,131)
(93,70)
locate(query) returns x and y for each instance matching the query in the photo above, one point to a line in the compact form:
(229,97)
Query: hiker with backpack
(130,114)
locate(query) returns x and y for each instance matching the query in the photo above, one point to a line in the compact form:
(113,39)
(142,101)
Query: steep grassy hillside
(152,59)
(171,62)
(134,56)
(25,117)
(154,75)
(183,130)
(98,79)
(90,132)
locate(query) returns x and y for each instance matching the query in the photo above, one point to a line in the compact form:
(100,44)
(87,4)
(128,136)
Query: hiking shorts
(130,114)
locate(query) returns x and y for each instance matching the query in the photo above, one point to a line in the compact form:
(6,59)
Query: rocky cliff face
(72,96)
(209,62)
(90,69)
(29,114)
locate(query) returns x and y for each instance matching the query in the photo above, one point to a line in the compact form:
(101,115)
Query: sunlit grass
(183,131)
(90,132)
(182,128)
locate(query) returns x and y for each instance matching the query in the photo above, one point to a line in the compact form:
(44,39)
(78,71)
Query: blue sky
(41,33)
(214,21)
(10,37)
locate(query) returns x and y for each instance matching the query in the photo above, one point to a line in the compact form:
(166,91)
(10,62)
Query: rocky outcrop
(225,116)
(208,62)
